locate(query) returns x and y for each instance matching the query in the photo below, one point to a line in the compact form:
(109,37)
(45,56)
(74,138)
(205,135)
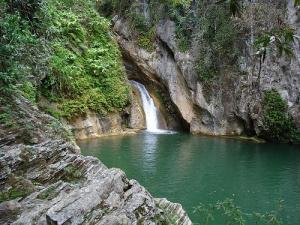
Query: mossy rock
(13,194)
(72,174)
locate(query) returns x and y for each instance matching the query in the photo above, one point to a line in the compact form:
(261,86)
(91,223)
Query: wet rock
(137,116)
(174,212)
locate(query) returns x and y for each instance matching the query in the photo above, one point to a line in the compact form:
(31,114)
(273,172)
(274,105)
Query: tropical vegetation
(62,51)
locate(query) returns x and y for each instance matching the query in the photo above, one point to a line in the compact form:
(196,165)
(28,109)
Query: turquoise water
(192,169)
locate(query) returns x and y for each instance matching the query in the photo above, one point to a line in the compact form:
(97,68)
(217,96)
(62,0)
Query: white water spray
(149,108)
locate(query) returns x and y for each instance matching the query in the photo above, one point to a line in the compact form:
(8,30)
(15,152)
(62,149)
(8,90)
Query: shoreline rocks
(49,182)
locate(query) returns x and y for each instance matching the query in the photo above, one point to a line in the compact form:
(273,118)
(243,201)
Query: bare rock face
(137,117)
(72,189)
(93,125)
(49,182)
(175,70)
(234,106)
(160,63)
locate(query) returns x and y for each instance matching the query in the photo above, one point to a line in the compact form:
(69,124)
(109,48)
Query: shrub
(227,212)
(29,91)
(138,21)
(179,12)
(15,42)
(145,40)
(278,124)
(86,66)
(72,108)
(110,7)
(67,49)
(23,54)
(216,40)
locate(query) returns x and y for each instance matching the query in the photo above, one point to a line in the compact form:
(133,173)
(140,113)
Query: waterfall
(149,108)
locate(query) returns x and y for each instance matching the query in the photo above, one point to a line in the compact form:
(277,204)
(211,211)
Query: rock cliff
(44,179)
(233,105)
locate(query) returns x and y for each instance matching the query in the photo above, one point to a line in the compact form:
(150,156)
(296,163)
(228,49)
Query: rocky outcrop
(144,67)
(174,212)
(49,182)
(93,125)
(175,71)
(233,105)
(137,116)
(72,189)
(157,67)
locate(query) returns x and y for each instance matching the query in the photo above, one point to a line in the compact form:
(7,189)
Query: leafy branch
(231,214)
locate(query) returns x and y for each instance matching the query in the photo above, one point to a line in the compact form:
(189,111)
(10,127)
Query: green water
(191,169)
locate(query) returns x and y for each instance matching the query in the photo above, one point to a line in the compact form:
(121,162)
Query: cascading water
(149,108)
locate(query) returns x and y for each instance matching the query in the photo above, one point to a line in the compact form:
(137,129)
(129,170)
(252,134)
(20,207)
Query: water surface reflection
(192,169)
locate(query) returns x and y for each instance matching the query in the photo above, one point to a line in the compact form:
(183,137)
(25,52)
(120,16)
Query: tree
(234,6)
(281,38)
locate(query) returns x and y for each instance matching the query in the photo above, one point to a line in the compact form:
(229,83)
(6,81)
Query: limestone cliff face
(158,67)
(137,116)
(234,106)
(94,125)
(44,180)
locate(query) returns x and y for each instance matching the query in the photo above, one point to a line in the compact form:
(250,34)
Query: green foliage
(69,44)
(143,29)
(11,194)
(51,112)
(7,117)
(234,6)
(106,7)
(177,10)
(180,13)
(23,55)
(86,68)
(73,108)
(145,40)
(7,120)
(15,42)
(278,124)
(184,28)
(216,41)
(110,7)
(282,38)
(29,91)
(184,3)
(138,21)
(26,8)
(230,214)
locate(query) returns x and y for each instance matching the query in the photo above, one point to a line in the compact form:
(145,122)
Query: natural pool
(192,169)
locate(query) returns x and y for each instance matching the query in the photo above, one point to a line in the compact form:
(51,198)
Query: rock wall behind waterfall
(233,106)
(93,125)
